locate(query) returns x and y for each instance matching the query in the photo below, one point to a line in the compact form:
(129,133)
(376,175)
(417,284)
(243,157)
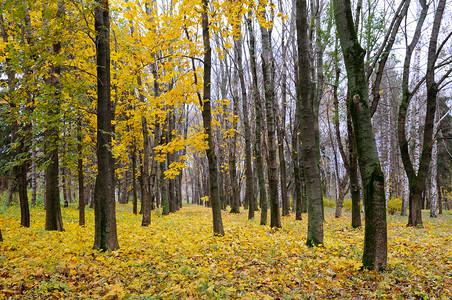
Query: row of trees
(174,99)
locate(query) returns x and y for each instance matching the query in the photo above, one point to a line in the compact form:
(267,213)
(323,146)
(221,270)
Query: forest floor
(177,257)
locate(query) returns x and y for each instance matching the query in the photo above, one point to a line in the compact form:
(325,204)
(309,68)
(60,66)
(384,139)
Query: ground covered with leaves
(177,257)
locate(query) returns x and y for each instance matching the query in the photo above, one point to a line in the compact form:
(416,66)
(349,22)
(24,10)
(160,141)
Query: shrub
(394,205)
(329,203)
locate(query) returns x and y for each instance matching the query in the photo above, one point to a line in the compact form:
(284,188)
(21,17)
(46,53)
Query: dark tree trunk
(275,217)
(123,188)
(440,197)
(235,190)
(53,209)
(54,220)
(298,185)
(11,186)
(81,187)
(282,131)
(20,171)
(105,235)
(375,236)
(34,175)
(305,95)
(63,185)
(258,148)
(133,157)
(146,196)
(355,189)
(207,122)
(417,181)
(249,192)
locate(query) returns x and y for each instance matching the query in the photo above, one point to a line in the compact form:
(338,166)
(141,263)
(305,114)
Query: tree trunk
(305,96)
(11,186)
(133,157)
(417,181)
(34,175)
(207,122)
(269,88)
(355,188)
(164,189)
(249,192)
(356,219)
(235,189)
(123,188)
(258,129)
(282,125)
(105,234)
(64,186)
(81,187)
(434,172)
(375,235)
(20,171)
(146,196)
(54,219)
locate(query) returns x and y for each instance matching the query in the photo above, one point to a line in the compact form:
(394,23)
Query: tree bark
(258,129)
(375,235)
(269,88)
(417,181)
(34,174)
(249,191)
(355,188)
(434,172)
(19,171)
(133,157)
(54,219)
(81,185)
(281,127)
(146,196)
(105,234)
(207,122)
(305,96)
(235,188)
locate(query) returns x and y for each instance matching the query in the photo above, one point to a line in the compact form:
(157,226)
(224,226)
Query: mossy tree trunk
(375,236)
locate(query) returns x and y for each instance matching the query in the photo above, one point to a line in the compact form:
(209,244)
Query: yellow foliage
(177,257)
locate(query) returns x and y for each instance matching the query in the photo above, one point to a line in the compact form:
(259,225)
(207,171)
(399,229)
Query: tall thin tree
(375,236)
(305,96)
(207,122)
(105,235)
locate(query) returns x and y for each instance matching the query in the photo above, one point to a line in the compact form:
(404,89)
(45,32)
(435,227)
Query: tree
(81,179)
(249,192)
(375,235)
(417,180)
(54,219)
(105,236)
(207,123)
(305,97)
(269,95)
(258,126)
